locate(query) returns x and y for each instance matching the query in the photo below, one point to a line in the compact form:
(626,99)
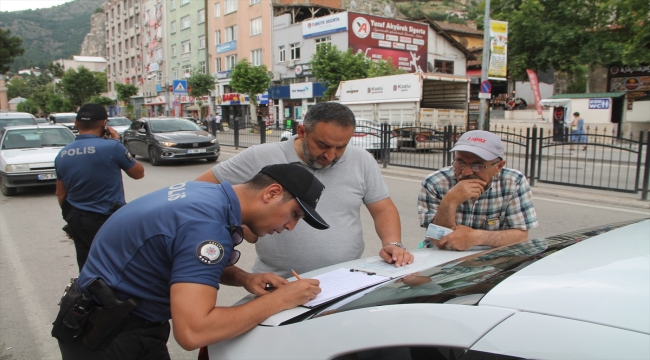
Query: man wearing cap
(167,252)
(89,177)
(484,202)
(352,179)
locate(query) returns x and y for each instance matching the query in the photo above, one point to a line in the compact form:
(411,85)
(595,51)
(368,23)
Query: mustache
(468,177)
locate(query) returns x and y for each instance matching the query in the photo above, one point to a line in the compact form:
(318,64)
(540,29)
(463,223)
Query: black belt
(137,322)
(90,214)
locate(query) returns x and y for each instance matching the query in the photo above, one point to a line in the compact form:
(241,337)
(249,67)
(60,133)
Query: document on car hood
(337,283)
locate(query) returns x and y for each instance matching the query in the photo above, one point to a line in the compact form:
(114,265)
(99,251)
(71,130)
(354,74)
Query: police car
(27,155)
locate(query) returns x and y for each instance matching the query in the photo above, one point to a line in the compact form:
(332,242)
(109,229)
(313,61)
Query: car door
(135,139)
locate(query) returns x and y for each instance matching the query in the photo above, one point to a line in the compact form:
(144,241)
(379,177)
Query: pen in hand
(295,274)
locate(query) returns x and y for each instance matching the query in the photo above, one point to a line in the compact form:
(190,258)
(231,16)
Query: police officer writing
(163,255)
(89,177)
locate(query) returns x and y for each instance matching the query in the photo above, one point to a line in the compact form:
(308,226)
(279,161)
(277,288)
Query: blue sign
(180,87)
(599,103)
(158,88)
(224,74)
(225,47)
(486,86)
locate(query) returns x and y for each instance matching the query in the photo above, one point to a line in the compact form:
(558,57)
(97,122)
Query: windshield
(4,122)
(65,119)
(171,125)
(119,121)
(37,138)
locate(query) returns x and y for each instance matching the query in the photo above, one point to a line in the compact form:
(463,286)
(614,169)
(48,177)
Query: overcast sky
(16,5)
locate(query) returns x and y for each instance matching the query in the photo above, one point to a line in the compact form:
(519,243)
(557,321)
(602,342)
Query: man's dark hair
(89,125)
(262,181)
(327,112)
(576,114)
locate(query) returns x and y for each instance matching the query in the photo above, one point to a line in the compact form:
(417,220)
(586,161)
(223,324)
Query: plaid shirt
(506,204)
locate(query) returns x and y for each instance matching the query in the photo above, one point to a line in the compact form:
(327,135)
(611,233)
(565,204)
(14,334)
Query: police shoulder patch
(128,155)
(209,252)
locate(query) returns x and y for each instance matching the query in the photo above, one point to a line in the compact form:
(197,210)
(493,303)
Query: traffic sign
(180,87)
(486,87)
(484,95)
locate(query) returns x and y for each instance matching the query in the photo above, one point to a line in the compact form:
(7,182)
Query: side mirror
(142,131)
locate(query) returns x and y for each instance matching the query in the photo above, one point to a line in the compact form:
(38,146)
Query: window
(175,73)
(187,71)
(201,16)
(256,26)
(186,47)
(323,40)
(231,6)
(444,67)
(126,44)
(217,37)
(217,64)
(184,2)
(185,22)
(252,2)
(127,63)
(282,53)
(202,67)
(256,57)
(295,51)
(174,50)
(231,61)
(231,33)
(172,27)
(217,10)
(159,77)
(202,42)
(119,48)
(132,42)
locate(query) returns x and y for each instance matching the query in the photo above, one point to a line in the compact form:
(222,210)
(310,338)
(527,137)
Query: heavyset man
(164,256)
(351,177)
(89,177)
(484,202)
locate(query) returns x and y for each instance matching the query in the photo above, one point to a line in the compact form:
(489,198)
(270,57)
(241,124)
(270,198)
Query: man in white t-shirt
(217,120)
(351,177)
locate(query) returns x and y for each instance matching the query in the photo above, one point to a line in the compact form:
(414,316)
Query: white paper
(341,282)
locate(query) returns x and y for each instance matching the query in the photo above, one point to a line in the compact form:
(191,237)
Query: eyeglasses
(237,235)
(477,168)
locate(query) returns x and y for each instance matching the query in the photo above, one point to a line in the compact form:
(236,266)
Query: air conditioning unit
(113,56)
(111,19)
(125,31)
(291,63)
(136,5)
(137,26)
(112,38)
(276,76)
(160,61)
(119,73)
(126,70)
(137,47)
(124,12)
(118,34)
(126,51)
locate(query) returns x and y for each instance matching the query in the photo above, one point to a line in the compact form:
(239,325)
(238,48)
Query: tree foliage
(83,84)
(251,80)
(102,100)
(10,48)
(27,106)
(200,84)
(331,66)
(125,91)
(56,69)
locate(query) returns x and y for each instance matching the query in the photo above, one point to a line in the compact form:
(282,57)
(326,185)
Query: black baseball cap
(303,185)
(92,112)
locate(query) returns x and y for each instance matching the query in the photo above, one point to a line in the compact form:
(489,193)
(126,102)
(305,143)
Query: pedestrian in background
(89,177)
(578,135)
(217,119)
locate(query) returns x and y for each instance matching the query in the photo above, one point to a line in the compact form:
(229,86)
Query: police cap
(92,112)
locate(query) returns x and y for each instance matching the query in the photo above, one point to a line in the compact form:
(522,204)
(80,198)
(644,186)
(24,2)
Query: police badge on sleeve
(209,252)
(128,155)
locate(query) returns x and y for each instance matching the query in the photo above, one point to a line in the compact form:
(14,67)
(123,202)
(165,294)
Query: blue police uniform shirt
(91,170)
(177,234)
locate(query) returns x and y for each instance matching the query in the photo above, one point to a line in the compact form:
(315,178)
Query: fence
(607,162)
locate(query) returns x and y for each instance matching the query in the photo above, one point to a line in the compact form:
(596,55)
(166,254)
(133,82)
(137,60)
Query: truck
(417,105)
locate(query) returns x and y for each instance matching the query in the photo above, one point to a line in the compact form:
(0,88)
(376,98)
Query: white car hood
(44,157)
(583,282)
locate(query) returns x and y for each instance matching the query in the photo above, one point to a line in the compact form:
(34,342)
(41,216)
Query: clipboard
(341,282)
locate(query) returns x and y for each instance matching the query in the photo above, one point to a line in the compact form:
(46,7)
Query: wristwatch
(398,244)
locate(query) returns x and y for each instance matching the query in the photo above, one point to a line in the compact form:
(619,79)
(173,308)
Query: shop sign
(233,99)
(302,70)
(225,47)
(598,103)
(154,67)
(379,38)
(221,75)
(405,87)
(157,100)
(325,25)
(301,91)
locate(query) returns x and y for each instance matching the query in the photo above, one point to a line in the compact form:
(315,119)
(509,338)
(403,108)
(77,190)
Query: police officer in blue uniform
(163,256)
(89,177)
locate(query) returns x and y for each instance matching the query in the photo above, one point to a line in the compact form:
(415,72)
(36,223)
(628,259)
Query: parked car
(120,124)
(419,138)
(167,138)
(41,121)
(66,119)
(580,295)
(16,118)
(27,155)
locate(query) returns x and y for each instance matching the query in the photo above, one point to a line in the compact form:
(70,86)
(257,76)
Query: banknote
(437,232)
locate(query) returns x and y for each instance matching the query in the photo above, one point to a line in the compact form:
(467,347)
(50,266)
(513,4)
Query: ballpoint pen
(295,274)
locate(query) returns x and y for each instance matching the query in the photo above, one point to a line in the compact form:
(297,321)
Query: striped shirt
(506,204)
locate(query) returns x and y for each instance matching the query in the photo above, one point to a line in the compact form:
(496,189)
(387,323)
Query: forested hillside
(50,34)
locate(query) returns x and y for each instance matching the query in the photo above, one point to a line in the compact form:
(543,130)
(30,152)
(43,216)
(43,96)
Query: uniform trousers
(82,227)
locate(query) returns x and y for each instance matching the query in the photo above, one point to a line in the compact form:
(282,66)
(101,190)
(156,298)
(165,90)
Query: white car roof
(39,126)
(603,280)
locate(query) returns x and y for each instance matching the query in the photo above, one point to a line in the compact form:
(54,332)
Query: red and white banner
(534,84)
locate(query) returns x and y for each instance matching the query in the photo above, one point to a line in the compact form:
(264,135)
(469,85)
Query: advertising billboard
(405,87)
(325,25)
(498,66)
(381,38)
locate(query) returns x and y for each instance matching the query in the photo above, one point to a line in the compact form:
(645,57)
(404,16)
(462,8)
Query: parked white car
(120,124)
(581,295)
(27,155)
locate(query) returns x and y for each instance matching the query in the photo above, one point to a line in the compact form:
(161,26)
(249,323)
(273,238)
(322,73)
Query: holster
(65,208)
(107,320)
(74,311)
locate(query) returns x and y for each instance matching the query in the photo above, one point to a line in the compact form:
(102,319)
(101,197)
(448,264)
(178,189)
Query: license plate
(195,151)
(46,176)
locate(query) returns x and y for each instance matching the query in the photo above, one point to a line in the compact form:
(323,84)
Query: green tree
(10,48)
(199,85)
(41,96)
(102,100)
(81,85)
(27,106)
(124,93)
(251,80)
(56,69)
(18,87)
(382,68)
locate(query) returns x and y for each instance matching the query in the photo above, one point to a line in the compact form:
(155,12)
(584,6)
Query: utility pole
(485,64)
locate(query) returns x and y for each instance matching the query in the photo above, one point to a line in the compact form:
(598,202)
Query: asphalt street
(37,260)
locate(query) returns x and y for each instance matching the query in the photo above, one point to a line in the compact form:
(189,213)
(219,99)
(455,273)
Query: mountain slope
(50,34)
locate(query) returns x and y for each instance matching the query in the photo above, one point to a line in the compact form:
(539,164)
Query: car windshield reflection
(37,138)
(119,121)
(171,125)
